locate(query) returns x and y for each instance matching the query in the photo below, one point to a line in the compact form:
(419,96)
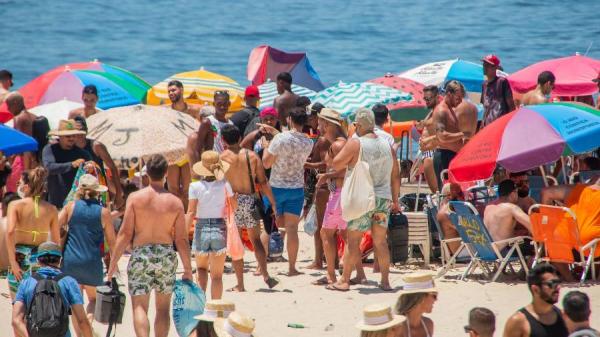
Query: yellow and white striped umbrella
(199,87)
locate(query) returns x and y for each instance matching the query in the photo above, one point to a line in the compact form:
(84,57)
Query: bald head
(15,103)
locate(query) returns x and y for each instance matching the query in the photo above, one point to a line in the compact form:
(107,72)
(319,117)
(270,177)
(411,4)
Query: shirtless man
(5,84)
(541,93)
(23,121)
(450,192)
(428,139)
(179,174)
(208,136)
(521,180)
(243,187)
(151,216)
(31,221)
(501,216)
(89,96)
(455,122)
(286,101)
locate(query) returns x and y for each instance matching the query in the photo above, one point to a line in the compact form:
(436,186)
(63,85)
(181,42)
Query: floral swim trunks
(378,216)
(152,267)
(244,212)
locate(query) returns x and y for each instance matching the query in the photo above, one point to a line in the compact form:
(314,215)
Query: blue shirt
(68,287)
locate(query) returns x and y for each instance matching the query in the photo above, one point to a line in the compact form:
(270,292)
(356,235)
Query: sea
(345,40)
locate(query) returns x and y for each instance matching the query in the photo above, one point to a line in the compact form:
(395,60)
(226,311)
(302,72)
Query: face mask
(523,193)
(20,192)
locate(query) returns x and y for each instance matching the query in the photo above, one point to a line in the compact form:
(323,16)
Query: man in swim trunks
(541,93)
(151,217)
(89,96)
(242,183)
(5,84)
(286,101)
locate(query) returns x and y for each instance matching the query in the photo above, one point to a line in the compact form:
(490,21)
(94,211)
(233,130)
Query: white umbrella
(55,111)
(138,131)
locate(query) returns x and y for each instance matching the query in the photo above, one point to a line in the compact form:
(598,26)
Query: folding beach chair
(556,231)
(483,250)
(446,255)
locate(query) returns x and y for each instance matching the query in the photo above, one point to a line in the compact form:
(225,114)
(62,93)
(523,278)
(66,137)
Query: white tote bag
(358,194)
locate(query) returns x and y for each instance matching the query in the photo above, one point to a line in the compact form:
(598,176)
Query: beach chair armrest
(509,241)
(590,244)
(452,240)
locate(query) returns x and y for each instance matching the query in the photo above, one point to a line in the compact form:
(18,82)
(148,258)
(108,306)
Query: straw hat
(89,182)
(331,115)
(214,309)
(418,283)
(236,325)
(210,165)
(378,317)
(67,128)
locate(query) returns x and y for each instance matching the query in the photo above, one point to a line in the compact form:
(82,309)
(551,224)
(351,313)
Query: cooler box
(106,299)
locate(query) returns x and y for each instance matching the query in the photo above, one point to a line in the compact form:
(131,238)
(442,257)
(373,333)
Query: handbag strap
(359,151)
(250,173)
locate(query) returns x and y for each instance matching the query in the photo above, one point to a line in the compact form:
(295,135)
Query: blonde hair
(408,302)
(379,333)
(86,194)
(36,180)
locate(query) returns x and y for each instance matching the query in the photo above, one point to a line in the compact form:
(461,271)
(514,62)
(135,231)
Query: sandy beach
(329,313)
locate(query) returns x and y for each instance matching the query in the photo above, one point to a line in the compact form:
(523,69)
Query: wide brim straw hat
(418,283)
(210,165)
(236,325)
(334,117)
(378,317)
(214,309)
(67,128)
(89,182)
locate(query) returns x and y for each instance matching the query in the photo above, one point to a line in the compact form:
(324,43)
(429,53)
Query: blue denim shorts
(210,236)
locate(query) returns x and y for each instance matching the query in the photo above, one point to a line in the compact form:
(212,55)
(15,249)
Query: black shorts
(441,161)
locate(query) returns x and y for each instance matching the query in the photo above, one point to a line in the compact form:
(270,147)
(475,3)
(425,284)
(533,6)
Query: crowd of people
(71,212)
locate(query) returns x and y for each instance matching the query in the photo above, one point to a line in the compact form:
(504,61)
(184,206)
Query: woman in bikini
(31,221)
(417,298)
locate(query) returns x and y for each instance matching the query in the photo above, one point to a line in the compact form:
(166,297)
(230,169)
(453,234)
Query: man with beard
(540,318)
(427,141)
(521,180)
(175,91)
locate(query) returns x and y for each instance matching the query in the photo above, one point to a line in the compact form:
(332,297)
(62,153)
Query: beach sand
(329,313)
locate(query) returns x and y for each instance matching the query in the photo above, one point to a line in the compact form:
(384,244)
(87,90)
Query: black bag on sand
(110,304)
(410,200)
(398,237)
(48,315)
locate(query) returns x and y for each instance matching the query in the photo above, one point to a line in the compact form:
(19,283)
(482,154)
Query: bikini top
(422,323)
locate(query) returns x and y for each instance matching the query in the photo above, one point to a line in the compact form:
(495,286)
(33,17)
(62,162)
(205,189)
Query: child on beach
(208,198)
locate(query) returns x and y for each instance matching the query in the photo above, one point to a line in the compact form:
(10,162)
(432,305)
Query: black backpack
(48,314)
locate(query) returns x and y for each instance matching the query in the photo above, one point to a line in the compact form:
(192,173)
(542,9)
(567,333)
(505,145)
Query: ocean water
(345,40)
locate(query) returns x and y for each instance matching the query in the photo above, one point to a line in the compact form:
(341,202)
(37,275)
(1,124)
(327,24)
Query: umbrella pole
(544,175)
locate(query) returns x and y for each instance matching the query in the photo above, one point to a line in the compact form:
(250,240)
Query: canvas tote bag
(358,194)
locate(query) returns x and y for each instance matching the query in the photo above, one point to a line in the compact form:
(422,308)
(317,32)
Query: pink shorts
(333,212)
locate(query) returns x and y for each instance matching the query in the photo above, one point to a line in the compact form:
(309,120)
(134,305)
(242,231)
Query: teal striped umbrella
(347,97)
(268,92)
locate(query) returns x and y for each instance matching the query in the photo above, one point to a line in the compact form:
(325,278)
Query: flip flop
(335,288)
(363,282)
(272,282)
(323,281)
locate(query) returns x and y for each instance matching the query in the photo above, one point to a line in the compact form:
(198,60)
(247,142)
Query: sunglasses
(551,283)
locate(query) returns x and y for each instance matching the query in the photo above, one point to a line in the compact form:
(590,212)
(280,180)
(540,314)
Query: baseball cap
(597,79)
(252,91)
(491,59)
(49,248)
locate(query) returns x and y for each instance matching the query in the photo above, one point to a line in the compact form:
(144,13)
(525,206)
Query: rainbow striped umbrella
(528,137)
(199,87)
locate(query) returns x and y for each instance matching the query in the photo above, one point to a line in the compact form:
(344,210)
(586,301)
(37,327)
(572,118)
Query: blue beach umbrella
(13,141)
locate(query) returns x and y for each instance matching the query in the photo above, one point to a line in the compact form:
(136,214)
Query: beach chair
(482,249)
(418,234)
(446,255)
(536,184)
(556,231)
(583,176)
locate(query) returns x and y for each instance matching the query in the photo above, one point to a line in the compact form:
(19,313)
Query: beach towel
(89,167)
